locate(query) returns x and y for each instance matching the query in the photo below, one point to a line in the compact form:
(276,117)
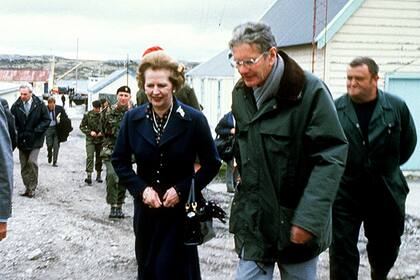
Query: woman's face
(158,88)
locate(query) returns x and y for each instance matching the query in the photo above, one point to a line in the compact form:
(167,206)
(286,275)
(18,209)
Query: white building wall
(303,56)
(215,95)
(386,30)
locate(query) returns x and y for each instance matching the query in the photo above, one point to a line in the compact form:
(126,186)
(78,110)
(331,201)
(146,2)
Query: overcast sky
(193,30)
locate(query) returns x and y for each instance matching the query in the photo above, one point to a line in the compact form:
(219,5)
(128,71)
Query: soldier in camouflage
(111,125)
(91,126)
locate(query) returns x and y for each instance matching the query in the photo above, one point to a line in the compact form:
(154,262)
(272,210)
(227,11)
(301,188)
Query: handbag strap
(191,202)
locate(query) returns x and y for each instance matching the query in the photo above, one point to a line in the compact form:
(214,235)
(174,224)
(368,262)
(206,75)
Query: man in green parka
(382,136)
(290,150)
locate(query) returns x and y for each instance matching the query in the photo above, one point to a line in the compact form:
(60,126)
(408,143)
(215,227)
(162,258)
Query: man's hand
(299,236)
(171,198)
(93,133)
(3,230)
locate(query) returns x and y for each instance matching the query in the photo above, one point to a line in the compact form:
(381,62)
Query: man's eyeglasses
(247,63)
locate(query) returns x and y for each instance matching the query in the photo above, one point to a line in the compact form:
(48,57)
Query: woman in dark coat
(165,136)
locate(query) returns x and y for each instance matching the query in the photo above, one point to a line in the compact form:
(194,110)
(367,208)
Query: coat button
(158,181)
(357,125)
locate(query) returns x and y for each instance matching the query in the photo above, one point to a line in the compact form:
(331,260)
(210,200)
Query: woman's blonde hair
(157,60)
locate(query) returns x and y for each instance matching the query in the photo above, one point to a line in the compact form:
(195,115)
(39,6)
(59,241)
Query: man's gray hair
(26,85)
(257,33)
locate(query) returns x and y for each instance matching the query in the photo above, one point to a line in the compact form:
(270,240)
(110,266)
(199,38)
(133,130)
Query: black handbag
(198,227)
(224,146)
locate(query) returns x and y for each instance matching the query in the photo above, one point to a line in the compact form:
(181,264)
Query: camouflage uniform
(92,122)
(115,196)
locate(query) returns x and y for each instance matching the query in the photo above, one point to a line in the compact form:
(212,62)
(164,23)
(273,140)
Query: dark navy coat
(159,232)
(31,129)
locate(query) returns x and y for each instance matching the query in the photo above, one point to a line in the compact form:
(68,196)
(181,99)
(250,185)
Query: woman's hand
(151,198)
(171,198)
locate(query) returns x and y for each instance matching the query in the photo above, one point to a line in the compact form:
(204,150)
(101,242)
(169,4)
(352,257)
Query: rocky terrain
(64,231)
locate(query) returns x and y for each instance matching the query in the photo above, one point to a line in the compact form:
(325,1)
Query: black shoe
(119,213)
(113,213)
(28,194)
(88,181)
(55,164)
(99,179)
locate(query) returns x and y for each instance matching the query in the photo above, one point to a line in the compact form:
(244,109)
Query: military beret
(124,89)
(96,104)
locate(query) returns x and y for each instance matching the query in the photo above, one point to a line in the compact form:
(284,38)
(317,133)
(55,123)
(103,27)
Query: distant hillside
(62,65)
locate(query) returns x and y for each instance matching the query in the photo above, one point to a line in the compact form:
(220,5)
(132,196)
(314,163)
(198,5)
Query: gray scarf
(271,84)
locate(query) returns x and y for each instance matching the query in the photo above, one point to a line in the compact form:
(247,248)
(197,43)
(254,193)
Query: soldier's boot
(98,177)
(88,179)
(119,212)
(113,213)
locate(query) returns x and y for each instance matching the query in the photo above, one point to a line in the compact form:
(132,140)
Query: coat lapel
(178,122)
(144,128)
(375,126)
(350,113)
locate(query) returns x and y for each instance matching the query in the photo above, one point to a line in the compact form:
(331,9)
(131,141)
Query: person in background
(56,113)
(10,123)
(226,128)
(104,105)
(382,137)
(165,136)
(63,100)
(115,194)
(291,152)
(6,174)
(32,121)
(91,126)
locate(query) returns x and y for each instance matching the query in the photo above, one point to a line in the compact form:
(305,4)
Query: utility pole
(127,70)
(313,38)
(77,60)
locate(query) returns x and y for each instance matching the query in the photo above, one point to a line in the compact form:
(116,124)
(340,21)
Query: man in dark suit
(32,121)
(56,113)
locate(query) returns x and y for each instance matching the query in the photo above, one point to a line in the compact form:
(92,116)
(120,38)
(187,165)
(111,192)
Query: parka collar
(293,80)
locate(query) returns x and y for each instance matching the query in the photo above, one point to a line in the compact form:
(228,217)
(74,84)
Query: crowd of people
(305,168)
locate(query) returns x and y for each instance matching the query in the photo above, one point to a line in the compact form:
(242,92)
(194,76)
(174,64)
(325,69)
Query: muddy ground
(64,231)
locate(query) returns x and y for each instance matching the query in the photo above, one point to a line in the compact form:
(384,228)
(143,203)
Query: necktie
(27,107)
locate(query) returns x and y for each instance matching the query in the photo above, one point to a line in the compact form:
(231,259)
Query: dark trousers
(53,145)
(383,225)
(29,168)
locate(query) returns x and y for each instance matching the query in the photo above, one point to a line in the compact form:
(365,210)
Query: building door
(407,87)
